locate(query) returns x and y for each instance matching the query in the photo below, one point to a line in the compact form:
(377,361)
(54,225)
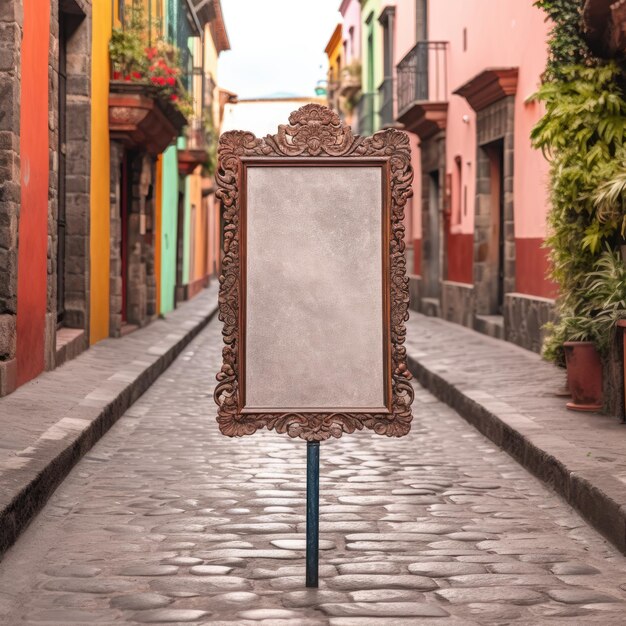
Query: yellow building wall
(99,239)
(198,230)
(334,62)
(334,50)
(212,206)
(210,67)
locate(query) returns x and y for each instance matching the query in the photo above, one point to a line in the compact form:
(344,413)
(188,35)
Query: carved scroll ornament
(314,131)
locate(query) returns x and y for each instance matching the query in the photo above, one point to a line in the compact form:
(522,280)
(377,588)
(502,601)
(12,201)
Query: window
(457,191)
(351,42)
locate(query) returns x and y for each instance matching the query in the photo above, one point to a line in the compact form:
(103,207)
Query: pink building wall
(351,12)
(404,38)
(514,35)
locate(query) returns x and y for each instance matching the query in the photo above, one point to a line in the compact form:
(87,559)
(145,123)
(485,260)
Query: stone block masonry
(11,23)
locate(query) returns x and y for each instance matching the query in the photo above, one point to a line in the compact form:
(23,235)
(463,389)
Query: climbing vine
(566,45)
(582,134)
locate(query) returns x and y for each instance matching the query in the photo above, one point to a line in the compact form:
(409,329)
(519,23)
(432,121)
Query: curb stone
(28,480)
(603,511)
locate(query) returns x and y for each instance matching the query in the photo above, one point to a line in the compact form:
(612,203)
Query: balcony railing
(367,113)
(195,134)
(385,98)
(350,80)
(423,75)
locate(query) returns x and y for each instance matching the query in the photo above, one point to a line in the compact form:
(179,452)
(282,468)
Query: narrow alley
(167,521)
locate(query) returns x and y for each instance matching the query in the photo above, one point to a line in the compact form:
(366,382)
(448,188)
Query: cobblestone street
(167,521)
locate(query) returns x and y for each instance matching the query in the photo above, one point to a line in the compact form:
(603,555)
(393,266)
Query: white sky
(276,45)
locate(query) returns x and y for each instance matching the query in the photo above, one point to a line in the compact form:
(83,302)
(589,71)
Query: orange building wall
(33,222)
(198,228)
(99,240)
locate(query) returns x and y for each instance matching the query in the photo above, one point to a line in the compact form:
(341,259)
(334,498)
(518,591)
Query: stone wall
(492,123)
(11,19)
(433,155)
(613,376)
(524,318)
(140,283)
(115,259)
(78,169)
(457,303)
(141,293)
(75,16)
(53,185)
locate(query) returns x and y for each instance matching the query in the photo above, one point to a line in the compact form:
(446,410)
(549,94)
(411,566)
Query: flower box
(141,118)
(189,159)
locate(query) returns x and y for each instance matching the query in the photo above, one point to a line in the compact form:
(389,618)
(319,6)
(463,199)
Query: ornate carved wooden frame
(313,131)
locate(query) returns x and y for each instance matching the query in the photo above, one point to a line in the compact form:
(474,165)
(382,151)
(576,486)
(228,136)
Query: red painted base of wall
(531,269)
(417,257)
(33,224)
(531,264)
(461,258)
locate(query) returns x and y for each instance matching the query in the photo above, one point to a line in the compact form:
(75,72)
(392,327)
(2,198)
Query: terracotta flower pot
(584,375)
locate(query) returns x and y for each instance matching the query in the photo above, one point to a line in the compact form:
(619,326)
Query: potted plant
(584,366)
(584,337)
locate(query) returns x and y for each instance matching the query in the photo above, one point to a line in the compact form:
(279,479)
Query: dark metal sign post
(314,213)
(312,512)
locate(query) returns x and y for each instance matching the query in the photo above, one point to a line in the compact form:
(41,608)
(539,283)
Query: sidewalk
(47,425)
(507,393)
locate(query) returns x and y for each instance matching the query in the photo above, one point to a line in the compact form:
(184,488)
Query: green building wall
(169,228)
(372,62)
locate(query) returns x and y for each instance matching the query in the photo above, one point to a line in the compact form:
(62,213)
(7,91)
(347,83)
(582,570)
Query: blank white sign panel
(314,290)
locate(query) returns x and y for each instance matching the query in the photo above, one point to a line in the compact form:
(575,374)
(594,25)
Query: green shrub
(582,134)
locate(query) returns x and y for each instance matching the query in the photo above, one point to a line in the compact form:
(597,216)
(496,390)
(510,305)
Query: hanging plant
(158,65)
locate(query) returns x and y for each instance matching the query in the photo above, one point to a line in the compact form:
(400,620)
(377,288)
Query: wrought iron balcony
(367,113)
(422,88)
(385,98)
(422,75)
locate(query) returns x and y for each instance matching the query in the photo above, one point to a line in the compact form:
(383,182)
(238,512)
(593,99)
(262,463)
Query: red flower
(117,75)
(154,79)
(127,78)
(136,75)
(161,80)
(151,52)
(173,97)
(171,81)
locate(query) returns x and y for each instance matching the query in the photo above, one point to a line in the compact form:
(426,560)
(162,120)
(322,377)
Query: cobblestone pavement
(166,521)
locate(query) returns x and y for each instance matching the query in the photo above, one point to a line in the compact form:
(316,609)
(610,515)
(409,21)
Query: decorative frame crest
(313,131)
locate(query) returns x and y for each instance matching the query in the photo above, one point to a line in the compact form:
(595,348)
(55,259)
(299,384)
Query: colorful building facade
(90,207)
(461,86)
(44,186)
(336,62)
(371,67)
